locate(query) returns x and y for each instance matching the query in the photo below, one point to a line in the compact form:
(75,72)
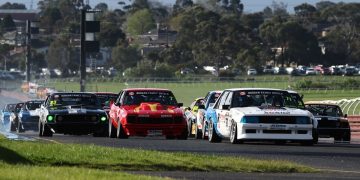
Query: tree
(124,57)
(279,9)
(304,10)
(7,24)
(110,34)
(50,18)
(182,4)
(140,22)
(102,7)
(8,5)
(324,4)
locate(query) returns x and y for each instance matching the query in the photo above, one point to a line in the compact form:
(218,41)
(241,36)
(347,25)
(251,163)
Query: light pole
(5,60)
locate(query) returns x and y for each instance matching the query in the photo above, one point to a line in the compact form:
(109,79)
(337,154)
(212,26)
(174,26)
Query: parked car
(349,71)
(72,113)
(248,114)
(310,71)
(251,72)
(268,70)
(29,116)
(147,112)
(331,121)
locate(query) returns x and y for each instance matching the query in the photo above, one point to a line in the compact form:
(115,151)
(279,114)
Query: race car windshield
(214,97)
(261,98)
(74,100)
(324,110)
(105,99)
(136,98)
(10,107)
(33,105)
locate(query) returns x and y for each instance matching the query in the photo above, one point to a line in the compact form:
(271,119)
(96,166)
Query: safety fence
(354,126)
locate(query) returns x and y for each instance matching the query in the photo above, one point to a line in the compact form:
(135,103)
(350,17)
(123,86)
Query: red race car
(147,112)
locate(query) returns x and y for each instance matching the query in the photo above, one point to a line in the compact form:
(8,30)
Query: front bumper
(78,128)
(162,129)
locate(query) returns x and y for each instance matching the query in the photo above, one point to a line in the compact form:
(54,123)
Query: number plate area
(154,132)
(277,127)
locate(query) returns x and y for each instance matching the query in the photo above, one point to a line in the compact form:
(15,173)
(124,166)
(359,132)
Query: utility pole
(28,50)
(82,52)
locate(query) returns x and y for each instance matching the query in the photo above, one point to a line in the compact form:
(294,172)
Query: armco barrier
(354,126)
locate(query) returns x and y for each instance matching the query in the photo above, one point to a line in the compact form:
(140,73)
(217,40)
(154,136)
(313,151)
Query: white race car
(247,114)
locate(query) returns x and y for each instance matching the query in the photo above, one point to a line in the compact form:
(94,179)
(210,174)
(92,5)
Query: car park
(310,71)
(331,121)
(147,112)
(5,114)
(72,113)
(251,72)
(248,114)
(29,116)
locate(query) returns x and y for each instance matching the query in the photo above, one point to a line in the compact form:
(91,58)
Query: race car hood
(270,111)
(153,108)
(330,118)
(76,111)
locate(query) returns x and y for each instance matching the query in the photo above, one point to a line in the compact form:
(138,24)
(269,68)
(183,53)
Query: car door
(224,115)
(220,112)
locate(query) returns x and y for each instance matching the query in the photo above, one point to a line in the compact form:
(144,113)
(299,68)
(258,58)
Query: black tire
(213,137)
(198,133)
(170,137)
(40,129)
(112,130)
(13,126)
(203,131)
(315,136)
(184,135)
(46,131)
(20,128)
(233,133)
(307,143)
(346,136)
(120,131)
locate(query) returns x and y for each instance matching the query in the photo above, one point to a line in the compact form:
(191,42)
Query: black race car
(331,121)
(72,113)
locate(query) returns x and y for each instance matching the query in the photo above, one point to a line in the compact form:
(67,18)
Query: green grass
(60,173)
(17,154)
(187,92)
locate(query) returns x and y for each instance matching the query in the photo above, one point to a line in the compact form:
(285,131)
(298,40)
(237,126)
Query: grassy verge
(45,155)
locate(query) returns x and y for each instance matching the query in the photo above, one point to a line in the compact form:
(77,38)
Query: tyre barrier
(354,122)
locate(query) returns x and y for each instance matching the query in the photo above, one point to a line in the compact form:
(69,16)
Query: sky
(250,6)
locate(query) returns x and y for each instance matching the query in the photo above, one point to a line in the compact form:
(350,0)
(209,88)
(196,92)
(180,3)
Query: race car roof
(146,89)
(104,93)
(254,89)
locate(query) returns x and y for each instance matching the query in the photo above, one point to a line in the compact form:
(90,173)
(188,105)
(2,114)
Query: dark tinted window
(137,97)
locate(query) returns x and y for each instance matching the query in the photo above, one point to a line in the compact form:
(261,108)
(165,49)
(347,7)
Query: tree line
(209,33)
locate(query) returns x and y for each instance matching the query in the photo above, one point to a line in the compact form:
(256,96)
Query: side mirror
(180,104)
(201,106)
(345,116)
(225,106)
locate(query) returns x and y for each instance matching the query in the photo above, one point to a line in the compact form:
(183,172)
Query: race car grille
(151,120)
(34,118)
(278,120)
(76,118)
(277,131)
(327,123)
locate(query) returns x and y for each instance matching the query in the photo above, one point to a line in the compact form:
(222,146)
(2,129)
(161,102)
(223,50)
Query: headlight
(103,118)
(250,119)
(50,118)
(302,120)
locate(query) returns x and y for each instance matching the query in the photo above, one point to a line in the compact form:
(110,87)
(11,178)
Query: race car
(72,113)
(105,98)
(198,113)
(14,117)
(331,121)
(248,114)
(147,112)
(29,116)
(5,115)
(191,115)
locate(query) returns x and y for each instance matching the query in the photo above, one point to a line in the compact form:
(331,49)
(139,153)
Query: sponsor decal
(276,111)
(277,126)
(264,93)
(166,116)
(152,92)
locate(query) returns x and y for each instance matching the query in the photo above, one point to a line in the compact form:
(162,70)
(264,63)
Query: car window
(138,97)
(228,99)
(222,99)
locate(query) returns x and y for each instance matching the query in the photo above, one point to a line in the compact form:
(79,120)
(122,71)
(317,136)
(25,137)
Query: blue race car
(29,116)
(5,115)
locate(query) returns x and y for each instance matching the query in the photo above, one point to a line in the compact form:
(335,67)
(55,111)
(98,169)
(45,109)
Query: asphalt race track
(342,160)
